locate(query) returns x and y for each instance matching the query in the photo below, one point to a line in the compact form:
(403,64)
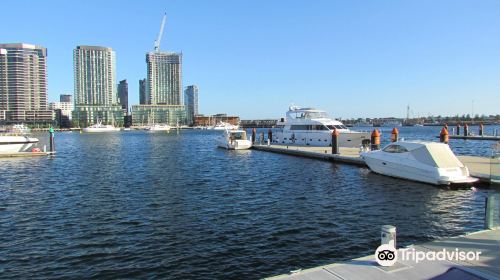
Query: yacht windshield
(310,115)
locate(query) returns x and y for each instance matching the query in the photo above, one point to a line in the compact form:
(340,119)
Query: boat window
(298,127)
(395,149)
(238,136)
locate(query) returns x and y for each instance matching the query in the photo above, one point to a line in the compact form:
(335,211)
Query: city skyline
(441,58)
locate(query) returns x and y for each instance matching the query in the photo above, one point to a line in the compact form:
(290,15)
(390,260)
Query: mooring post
(375,140)
(481,129)
(394,135)
(388,235)
(254,132)
(489,212)
(466,130)
(458,129)
(51,140)
(335,141)
(270,135)
(443,136)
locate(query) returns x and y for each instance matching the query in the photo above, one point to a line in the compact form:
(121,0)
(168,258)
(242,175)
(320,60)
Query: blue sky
(255,58)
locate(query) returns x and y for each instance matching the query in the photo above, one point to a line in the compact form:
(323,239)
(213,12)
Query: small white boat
(427,162)
(99,127)
(15,144)
(234,140)
(158,127)
(224,126)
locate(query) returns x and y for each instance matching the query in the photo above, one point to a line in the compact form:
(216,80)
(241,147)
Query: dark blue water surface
(157,205)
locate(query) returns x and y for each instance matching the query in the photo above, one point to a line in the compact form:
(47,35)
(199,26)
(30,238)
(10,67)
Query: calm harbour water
(157,205)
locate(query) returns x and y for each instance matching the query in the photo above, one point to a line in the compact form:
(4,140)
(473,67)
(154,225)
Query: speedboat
(312,127)
(99,127)
(234,140)
(224,126)
(427,162)
(15,144)
(20,128)
(159,127)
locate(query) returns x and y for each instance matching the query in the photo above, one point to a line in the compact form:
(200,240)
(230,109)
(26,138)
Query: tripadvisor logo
(386,255)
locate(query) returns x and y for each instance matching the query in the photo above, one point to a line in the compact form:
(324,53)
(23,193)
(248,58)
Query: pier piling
(254,131)
(270,135)
(51,140)
(443,136)
(458,129)
(394,135)
(335,141)
(481,129)
(466,130)
(375,139)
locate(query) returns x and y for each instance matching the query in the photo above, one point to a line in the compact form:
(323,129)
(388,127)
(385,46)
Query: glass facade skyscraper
(191,103)
(95,86)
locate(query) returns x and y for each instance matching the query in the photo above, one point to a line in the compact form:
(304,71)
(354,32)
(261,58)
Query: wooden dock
(479,167)
(475,137)
(486,267)
(26,154)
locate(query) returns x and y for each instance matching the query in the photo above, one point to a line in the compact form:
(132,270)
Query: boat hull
(405,168)
(321,139)
(15,144)
(97,130)
(235,144)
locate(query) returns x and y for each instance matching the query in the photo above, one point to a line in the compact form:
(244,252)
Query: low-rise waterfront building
(164,114)
(212,120)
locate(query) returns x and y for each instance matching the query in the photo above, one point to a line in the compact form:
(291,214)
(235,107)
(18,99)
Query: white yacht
(224,126)
(427,162)
(159,127)
(312,127)
(99,127)
(234,140)
(16,143)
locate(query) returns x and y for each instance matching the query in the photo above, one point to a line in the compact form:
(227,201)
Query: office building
(191,103)
(142,91)
(123,95)
(23,85)
(96,97)
(62,111)
(68,98)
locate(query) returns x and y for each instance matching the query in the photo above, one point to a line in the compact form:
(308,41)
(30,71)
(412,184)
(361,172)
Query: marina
(279,213)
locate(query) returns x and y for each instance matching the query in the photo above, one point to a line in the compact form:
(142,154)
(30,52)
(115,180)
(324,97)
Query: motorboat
(99,127)
(15,144)
(313,127)
(224,126)
(428,162)
(234,140)
(158,127)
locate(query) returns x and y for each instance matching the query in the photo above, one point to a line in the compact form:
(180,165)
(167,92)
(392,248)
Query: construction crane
(157,41)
